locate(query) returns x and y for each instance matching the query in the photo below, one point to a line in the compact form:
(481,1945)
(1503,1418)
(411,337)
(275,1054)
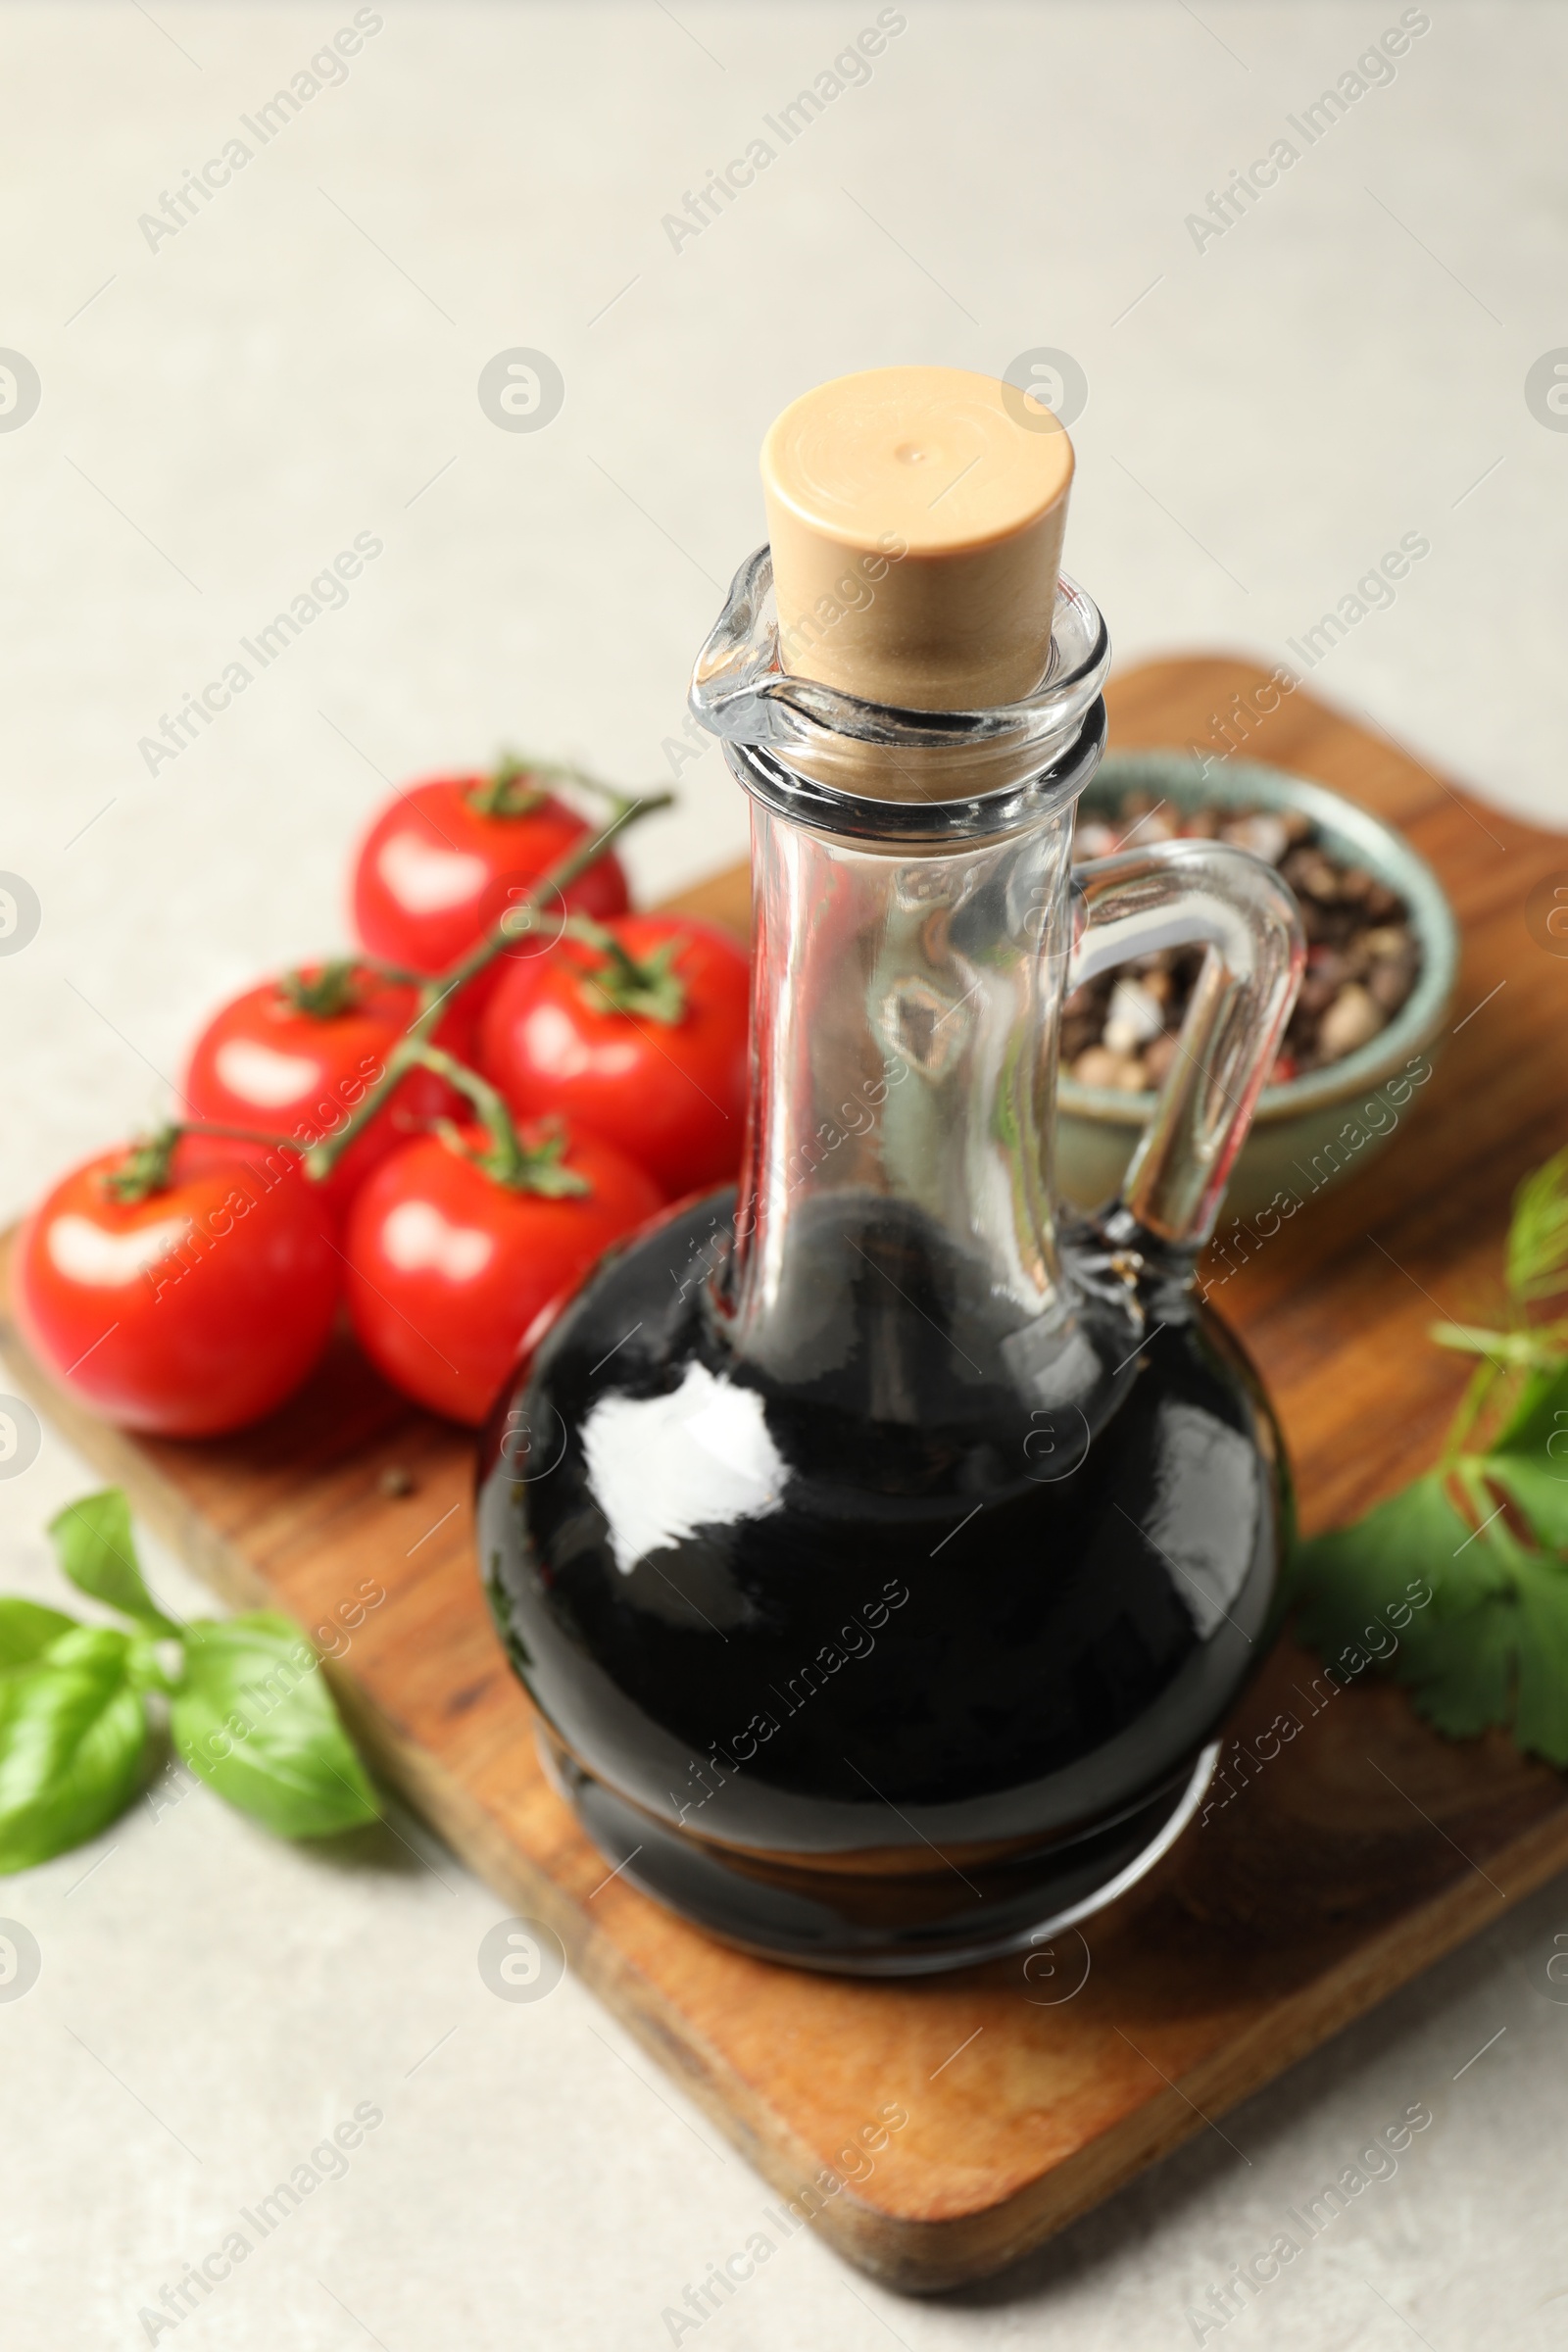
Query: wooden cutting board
(1359,1853)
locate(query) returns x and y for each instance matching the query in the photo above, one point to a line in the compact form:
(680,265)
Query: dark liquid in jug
(864,1654)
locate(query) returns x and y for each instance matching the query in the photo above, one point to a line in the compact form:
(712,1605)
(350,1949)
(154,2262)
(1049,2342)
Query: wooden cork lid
(915,519)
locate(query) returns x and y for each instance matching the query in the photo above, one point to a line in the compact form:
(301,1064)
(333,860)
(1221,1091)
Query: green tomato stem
(628,808)
(1531,1351)
(1477,1389)
(520,1167)
(338,987)
(506,791)
(324,994)
(649,985)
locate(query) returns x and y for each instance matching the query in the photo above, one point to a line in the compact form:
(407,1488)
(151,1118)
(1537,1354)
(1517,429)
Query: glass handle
(1181,894)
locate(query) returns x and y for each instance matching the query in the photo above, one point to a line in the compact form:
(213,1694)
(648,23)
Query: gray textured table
(231,393)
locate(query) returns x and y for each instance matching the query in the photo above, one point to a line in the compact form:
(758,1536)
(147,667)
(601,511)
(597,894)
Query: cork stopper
(916,518)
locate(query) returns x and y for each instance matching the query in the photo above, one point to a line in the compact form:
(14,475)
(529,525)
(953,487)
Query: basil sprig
(253,1715)
(248,1708)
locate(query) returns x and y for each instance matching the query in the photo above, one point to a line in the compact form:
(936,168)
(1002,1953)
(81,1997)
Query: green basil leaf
(27,1629)
(252,1714)
(144,1667)
(95,1645)
(72,1735)
(1530,1459)
(95,1548)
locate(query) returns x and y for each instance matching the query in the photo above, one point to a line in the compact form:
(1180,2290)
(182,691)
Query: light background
(219,415)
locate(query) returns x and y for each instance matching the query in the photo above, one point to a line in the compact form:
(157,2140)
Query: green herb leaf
(1537,1235)
(27,1629)
(1541,1705)
(1459,1670)
(252,1714)
(1491,1645)
(1348,1577)
(1530,1459)
(73,1735)
(96,1549)
(144,1667)
(1453,1650)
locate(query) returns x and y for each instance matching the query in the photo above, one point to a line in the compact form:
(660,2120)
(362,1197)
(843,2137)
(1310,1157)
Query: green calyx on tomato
(148,1164)
(536,1166)
(539,1166)
(521,787)
(510,789)
(330,988)
(647,986)
(147,1167)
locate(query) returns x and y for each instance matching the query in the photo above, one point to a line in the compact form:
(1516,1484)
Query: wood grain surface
(1355,1856)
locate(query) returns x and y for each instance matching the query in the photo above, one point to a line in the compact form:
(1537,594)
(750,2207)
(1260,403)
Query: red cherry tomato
(263,1063)
(448,1268)
(668,1092)
(193,1310)
(435,872)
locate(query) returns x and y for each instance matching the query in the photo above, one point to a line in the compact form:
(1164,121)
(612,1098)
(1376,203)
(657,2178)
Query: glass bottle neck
(894,1204)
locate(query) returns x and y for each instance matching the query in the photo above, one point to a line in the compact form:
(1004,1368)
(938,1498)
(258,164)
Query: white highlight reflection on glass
(663,1466)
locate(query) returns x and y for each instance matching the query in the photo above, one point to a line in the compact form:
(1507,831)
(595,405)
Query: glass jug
(881,1546)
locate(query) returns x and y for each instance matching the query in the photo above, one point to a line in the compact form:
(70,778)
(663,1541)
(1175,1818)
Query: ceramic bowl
(1315,1129)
